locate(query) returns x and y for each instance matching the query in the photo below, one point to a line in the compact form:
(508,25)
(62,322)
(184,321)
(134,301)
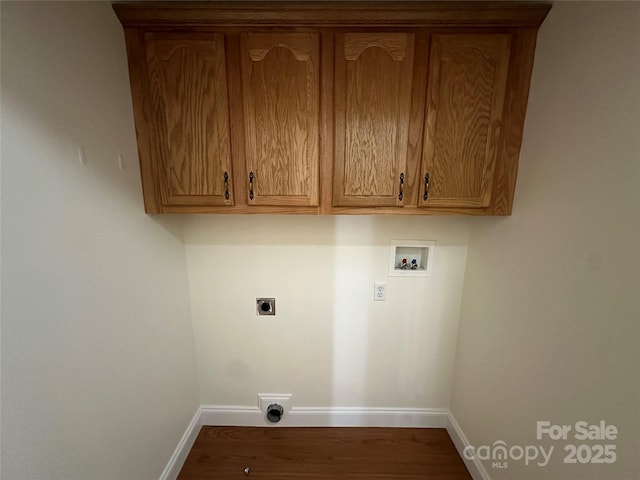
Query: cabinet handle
(401,194)
(250,185)
(226,186)
(425,196)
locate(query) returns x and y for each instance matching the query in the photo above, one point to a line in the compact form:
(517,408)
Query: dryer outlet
(266,399)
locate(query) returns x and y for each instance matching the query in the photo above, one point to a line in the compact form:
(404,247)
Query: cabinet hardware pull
(250,185)
(226,186)
(401,194)
(425,196)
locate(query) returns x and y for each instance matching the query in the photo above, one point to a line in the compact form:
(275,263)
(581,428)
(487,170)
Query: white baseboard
(228,416)
(368,417)
(475,467)
(327,417)
(181,452)
(216,415)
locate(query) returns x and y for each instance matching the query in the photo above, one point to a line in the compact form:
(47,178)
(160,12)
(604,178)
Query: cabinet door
(465,97)
(373,75)
(280,92)
(190,124)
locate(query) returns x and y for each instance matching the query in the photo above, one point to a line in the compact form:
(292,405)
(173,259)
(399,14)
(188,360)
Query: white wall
(98,369)
(329,343)
(550,317)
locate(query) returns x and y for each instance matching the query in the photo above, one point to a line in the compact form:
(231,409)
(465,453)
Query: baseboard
(327,417)
(475,467)
(216,415)
(181,452)
(368,417)
(228,416)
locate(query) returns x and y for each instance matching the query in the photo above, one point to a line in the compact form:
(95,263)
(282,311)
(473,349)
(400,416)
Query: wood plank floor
(323,453)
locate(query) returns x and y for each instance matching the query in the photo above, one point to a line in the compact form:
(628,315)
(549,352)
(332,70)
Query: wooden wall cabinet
(281,101)
(341,108)
(373,77)
(187,160)
(465,100)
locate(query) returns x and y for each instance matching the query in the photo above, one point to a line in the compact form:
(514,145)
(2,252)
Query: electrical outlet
(379,292)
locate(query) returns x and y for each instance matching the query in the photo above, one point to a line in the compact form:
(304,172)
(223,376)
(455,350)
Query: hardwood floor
(323,453)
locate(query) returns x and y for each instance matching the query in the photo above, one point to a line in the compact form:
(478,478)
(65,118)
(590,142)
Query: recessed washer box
(411,258)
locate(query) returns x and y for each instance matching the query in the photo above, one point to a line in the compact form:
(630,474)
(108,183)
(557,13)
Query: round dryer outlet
(275,412)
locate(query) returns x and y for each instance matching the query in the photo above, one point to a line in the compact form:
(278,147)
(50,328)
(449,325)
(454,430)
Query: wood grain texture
(372,108)
(236,122)
(410,210)
(243,209)
(326,120)
(521,68)
(281,95)
(295,210)
(143,117)
(323,453)
(413,169)
(466,90)
(344,14)
(456,84)
(188,88)
(393,44)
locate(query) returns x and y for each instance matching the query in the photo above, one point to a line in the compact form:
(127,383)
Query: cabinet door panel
(466,91)
(372,107)
(188,94)
(280,80)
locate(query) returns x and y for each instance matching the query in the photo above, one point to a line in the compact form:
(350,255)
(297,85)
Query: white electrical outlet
(379,292)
